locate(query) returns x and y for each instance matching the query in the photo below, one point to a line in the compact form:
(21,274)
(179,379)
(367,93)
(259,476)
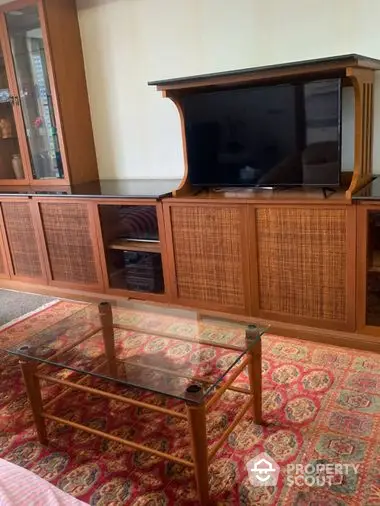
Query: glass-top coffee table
(168,351)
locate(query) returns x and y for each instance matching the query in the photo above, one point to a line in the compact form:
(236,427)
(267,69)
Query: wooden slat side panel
(302,258)
(207,245)
(67,234)
(22,239)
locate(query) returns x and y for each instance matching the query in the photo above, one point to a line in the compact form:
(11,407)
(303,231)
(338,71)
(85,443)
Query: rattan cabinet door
(306,265)
(21,234)
(71,245)
(208,249)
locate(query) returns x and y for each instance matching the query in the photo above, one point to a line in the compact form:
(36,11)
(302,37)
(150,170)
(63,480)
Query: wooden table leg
(254,371)
(106,319)
(32,385)
(196,414)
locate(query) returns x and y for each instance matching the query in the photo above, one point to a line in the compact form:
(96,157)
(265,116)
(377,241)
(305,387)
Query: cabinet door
(133,248)
(368,268)
(71,246)
(14,166)
(306,265)
(29,55)
(23,241)
(207,250)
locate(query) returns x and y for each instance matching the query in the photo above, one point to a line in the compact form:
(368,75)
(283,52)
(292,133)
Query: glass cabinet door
(35,99)
(373,269)
(132,248)
(10,158)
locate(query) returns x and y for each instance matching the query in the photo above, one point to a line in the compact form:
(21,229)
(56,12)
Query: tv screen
(277,135)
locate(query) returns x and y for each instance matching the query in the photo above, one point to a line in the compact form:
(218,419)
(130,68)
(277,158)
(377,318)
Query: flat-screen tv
(275,135)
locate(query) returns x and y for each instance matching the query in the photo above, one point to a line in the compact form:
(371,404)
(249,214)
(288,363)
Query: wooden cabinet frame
(4,249)
(356,260)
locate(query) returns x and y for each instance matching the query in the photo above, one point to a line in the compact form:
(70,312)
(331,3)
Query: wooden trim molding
(4,249)
(362,261)
(184,186)
(362,81)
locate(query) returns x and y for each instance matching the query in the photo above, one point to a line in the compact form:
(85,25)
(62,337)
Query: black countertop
(370,192)
(348,60)
(113,188)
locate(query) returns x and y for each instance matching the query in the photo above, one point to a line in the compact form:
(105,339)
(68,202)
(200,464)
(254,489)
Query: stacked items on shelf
(143,272)
(143,269)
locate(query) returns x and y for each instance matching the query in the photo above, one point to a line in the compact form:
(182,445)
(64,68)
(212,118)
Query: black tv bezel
(284,185)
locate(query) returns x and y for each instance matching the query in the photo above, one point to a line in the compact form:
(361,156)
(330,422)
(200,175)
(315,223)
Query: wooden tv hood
(357,71)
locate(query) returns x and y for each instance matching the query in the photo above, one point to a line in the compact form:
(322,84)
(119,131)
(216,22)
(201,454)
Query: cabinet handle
(14,100)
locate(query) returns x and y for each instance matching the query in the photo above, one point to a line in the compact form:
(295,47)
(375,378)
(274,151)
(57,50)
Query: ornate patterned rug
(321,404)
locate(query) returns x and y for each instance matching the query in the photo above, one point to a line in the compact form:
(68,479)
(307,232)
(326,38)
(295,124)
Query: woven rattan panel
(22,239)
(68,240)
(302,262)
(208,254)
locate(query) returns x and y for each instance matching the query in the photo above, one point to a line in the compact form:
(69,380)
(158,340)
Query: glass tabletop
(160,349)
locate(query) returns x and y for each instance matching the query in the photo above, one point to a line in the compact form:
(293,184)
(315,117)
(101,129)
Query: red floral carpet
(321,403)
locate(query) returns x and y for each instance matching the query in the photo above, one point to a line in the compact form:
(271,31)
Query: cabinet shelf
(132,247)
(125,245)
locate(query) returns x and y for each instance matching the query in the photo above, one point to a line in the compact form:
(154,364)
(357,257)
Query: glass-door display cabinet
(132,248)
(45,127)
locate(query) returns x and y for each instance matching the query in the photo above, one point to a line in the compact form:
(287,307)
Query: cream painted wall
(129,42)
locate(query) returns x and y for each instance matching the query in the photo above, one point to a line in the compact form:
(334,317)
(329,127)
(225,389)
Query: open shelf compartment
(132,248)
(373,269)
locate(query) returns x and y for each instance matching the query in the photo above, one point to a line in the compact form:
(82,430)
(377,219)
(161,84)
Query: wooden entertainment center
(303,261)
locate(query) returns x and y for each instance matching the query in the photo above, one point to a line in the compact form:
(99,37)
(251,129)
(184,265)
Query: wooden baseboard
(360,341)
